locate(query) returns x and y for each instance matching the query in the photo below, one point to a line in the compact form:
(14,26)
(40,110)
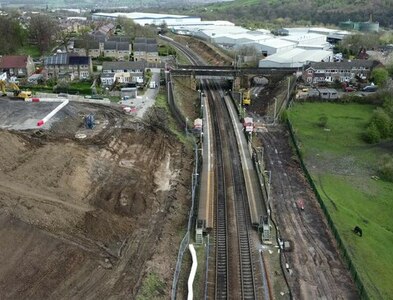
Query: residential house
(117,50)
(107,79)
(341,71)
(64,65)
(127,71)
(87,48)
(145,49)
(17,65)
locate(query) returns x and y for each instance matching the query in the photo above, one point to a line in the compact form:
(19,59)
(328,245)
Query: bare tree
(43,31)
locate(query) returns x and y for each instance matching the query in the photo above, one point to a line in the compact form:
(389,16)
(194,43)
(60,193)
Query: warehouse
(295,58)
(306,38)
(273,46)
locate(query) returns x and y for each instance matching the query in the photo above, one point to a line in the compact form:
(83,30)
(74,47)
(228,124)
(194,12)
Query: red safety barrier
(35,100)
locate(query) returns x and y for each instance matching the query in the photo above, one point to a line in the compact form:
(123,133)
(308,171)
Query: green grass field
(341,165)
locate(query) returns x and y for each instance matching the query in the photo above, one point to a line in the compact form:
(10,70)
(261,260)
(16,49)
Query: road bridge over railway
(227,72)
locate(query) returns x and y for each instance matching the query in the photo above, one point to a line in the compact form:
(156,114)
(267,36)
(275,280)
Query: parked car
(370,88)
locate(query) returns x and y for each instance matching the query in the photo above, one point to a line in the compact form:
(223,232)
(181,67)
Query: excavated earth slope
(90,218)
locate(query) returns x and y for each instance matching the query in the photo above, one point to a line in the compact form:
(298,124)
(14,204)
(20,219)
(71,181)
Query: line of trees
(41,30)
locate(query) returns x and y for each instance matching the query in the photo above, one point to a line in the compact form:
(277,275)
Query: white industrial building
(295,58)
(306,38)
(274,45)
(150,18)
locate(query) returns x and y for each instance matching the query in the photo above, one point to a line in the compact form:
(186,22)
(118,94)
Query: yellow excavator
(13,87)
(246,97)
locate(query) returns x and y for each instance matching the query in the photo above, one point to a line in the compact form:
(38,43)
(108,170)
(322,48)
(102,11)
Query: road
(142,103)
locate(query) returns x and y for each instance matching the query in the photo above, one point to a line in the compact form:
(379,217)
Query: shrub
(372,134)
(382,121)
(322,121)
(385,169)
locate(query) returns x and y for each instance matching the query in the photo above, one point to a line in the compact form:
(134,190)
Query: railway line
(233,276)
(313,266)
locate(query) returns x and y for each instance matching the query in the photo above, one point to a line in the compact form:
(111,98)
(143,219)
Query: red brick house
(17,65)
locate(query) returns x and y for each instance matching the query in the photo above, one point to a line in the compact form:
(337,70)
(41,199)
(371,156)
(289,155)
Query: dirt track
(90,218)
(316,269)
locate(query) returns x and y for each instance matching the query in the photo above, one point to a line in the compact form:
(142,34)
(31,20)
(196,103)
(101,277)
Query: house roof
(57,59)
(125,46)
(358,63)
(110,46)
(98,37)
(146,47)
(139,40)
(79,60)
(140,46)
(13,61)
(151,48)
(80,44)
(119,39)
(123,65)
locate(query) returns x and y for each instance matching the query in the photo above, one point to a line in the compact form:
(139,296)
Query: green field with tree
(347,173)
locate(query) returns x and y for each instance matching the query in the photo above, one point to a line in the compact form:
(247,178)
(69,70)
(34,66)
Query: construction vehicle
(246,98)
(6,84)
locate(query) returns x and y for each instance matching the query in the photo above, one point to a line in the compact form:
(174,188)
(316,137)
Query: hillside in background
(284,12)
(105,4)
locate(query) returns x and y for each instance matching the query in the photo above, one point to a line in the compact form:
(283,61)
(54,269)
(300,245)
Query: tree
(12,35)
(380,76)
(43,31)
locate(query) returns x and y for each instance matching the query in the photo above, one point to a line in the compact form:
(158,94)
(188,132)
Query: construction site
(88,211)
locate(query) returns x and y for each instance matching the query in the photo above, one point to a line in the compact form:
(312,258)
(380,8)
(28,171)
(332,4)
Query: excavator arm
(14,88)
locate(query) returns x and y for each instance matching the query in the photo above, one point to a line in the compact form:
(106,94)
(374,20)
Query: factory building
(295,58)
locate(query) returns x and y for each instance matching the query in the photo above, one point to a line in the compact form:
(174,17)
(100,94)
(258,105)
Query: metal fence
(342,248)
(182,121)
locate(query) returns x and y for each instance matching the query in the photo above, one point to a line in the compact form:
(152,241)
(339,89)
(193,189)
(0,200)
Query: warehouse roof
(301,38)
(298,55)
(276,43)
(139,15)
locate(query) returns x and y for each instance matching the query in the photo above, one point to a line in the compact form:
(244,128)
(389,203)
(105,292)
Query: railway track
(234,269)
(241,281)
(221,232)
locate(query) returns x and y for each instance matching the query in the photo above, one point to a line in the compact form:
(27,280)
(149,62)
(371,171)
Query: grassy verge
(31,50)
(161,102)
(342,165)
(153,288)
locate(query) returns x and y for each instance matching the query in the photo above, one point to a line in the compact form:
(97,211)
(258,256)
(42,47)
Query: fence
(194,184)
(344,252)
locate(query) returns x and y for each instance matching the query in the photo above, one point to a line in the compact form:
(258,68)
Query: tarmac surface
(20,115)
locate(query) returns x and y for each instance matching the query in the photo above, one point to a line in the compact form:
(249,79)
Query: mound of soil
(87,218)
